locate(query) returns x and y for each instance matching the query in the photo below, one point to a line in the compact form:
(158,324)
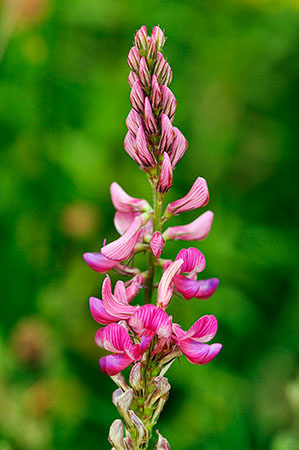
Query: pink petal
(122,248)
(143,152)
(113,305)
(167,134)
(157,243)
(123,220)
(189,288)
(115,338)
(134,59)
(125,203)
(198,353)
(149,119)
(113,364)
(203,330)
(144,73)
(207,288)
(99,313)
(98,262)
(194,231)
(137,97)
(120,291)
(197,196)
(133,122)
(169,102)
(130,147)
(193,259)
(156,94)
(134,286)
(150,317)
(165,288)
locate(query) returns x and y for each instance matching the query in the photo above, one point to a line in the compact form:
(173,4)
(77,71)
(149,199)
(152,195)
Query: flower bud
(152,50)
(116,435)
(162,387)
(167,134)
(133,122)
(162,443)
(144,73)
(134,59)
(156,94)
(137,97)
(159,37)
(132,78)
(130,147)
(179,147)
(166,176)
(157,243)
(143,152)
(162,70)
(120,381)
(149,119)
(135,377)
(169,102)
(122,400)
(139,426)
(141,40)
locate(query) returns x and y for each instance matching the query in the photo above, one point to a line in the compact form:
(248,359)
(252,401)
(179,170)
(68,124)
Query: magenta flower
(191,342)
(116,339)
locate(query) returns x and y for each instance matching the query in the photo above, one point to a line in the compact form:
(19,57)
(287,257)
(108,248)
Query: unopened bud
(162,443)
(179,147)
(162,387)
(120,381)
(163,70)
(152,50)
(156,94)
(132,78)
(169,102)
(159,37)
(139,426)
(157,243)
(143,152)
(134,59)
(149,119)
(122,400)
(133,121)
(144,73)
(137,97)
(167,134)
(116,435)
(130,147)
(141,40)
(166,175)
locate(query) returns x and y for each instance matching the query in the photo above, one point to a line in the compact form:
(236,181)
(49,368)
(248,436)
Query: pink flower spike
(133,122)
(169,102)
(151,318)
(156,94)
(130,147)
(137,97)
(98,262)
(144,73)
(179,147)
(165,288)
(141,39)
(149,119)
(166,175)
(134,59)
(157,243)
(194,231)
(167,134)
(159,37)
(122,248)
(194,260)
(143,152)
(125,203)
(197,197)
(132,78)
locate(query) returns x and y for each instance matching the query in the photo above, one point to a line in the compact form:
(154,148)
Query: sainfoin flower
(142,339)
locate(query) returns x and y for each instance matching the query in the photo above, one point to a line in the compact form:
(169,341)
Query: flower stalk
(144,337)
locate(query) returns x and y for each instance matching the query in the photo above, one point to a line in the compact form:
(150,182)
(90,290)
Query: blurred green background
(64,99)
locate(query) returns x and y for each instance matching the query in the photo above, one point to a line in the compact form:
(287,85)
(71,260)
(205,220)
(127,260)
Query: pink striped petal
(113,305)
(132,78)
(122,248)
(98,262)
(144,73)
(149,119)
(203,330)
(150,317)
(115,338)
(99,313)
(120,291)
(179,147)
(167,134)
(159,37)
(165,288)
(193,259)
(123,221)
(194,231)
(166,176)
(134,59)
(156,95)
(169,102)
(133,122)
(125,203)
(134,286)
(197,196)
(113,364)
(130,147)
(143,152)
(157,243)
(137,97)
